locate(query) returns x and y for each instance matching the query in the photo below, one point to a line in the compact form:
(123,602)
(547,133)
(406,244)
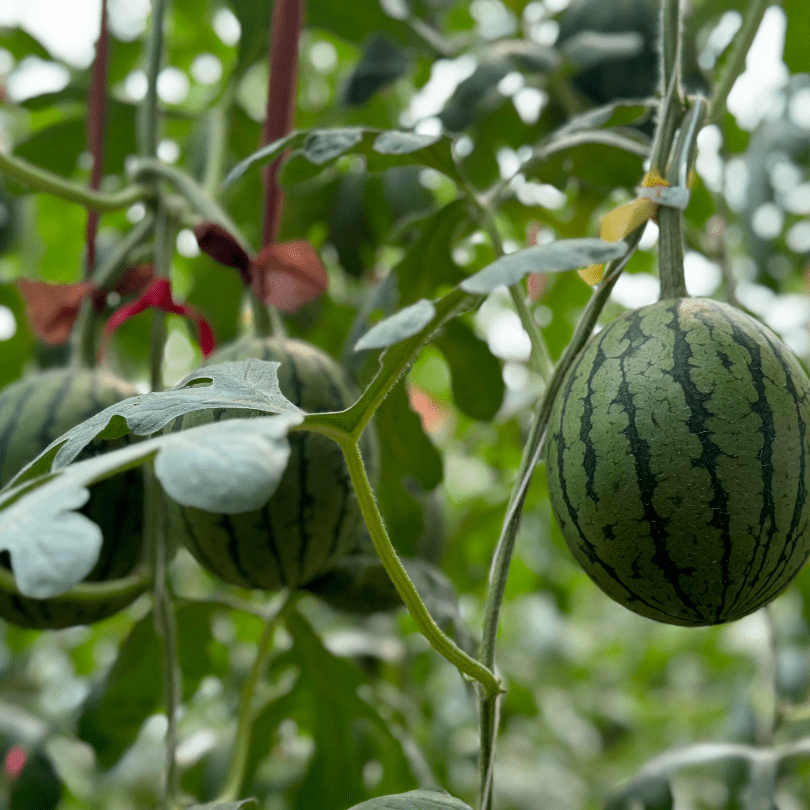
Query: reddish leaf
(16,757)
(536,284)
(288,275)
(221,246)
(158,295)
(51,309)
(135,279)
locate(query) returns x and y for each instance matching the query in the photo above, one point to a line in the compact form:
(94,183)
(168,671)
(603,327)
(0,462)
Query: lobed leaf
(414,800)
(400,326)
(53,548)
(250,384)
(554,257)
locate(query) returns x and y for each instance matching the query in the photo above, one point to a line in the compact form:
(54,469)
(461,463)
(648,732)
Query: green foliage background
(353,707)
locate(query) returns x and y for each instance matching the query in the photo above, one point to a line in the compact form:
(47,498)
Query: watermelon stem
(755,11)
(442,643)
(29,174)
(165,627)
(233,787)
(88,592)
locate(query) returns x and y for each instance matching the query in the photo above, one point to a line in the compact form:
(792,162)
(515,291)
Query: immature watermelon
(677,455)
(313,518)
(33,412)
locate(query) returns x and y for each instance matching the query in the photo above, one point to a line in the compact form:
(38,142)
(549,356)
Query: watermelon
(313,517)
(676,455)
(33,412)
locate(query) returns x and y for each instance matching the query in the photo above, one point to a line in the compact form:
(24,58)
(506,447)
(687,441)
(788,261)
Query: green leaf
(355,21)
(382,62)
(414,800)
(54,548)
(51,546)
(428,262)
(555,257)
(225,805)
(133,688)
(476,377)
(334,779)
(381,148)
(57,147)
(251,384)
(225,470)
(400,326)
(406,448)
(20,43)
(797,35)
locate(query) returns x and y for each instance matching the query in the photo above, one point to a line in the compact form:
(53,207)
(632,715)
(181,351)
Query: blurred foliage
(353,705)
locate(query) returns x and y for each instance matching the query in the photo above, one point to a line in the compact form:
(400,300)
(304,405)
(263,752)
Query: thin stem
(540,357)
(192,191)
(244,724)
(87,592)
(502,558)
(670,45)
(108,273)
(148,118)
(166,630)
(399,576)
(219,119)
(754,12)
(162,265)
(20,170)
(97,104)
(670,245)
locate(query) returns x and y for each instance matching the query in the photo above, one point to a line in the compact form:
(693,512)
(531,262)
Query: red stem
(288,16)
(97,97)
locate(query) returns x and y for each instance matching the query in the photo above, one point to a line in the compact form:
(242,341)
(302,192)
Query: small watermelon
(33,412)
(313,518)
(677,459)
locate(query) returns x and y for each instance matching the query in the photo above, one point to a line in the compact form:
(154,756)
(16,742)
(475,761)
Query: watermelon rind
(676,453)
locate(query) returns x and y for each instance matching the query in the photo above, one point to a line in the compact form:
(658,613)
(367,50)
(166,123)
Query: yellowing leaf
(622,221)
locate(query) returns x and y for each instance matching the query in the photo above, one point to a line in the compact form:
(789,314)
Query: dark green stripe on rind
(33,412)
(676,456)
(313,518)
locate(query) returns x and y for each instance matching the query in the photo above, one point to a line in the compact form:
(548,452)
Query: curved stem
(755,10)
(166,630)
(192,191)
(504,550)
(399,576)
(244,725)
(162,261)
(21,171)
(148,123)
(87,592)
(540,357)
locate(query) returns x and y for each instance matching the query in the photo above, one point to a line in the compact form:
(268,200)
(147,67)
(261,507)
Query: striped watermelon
(313,518)
(33,412)
(677,454)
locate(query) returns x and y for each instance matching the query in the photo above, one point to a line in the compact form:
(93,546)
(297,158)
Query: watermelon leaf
(414,800)
(251,384)
(196,467)
(132,690)
(381,148)
(475,374)
(53,548)
(399,326)
(50,545)
(554,257)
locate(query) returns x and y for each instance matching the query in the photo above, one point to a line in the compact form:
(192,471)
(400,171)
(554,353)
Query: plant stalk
(28,174)
(754,12)
(233,786)
(399,576)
